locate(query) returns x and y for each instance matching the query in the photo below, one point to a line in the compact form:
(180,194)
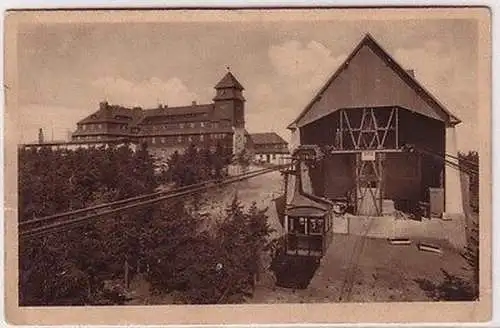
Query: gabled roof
(192,113)
(266,138)
(405,75)
(229,81)
(113,114)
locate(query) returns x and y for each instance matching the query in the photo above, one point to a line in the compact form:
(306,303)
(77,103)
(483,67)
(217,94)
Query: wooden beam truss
(368,131)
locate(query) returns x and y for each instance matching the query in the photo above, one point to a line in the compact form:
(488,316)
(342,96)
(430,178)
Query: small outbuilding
(269,147)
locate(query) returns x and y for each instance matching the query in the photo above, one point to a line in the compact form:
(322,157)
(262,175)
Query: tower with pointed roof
(229,102)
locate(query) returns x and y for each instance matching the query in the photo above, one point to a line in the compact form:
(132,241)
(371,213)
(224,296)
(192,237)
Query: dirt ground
(378,272)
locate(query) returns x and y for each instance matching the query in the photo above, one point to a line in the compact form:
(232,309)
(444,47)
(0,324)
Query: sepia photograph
(258,159)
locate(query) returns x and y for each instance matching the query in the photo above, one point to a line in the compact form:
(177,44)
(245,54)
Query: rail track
(71,219)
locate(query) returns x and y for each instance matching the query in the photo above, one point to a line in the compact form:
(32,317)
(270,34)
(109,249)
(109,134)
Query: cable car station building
(368,110)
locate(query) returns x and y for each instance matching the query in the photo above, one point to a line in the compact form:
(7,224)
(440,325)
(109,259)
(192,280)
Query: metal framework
(366,129)
(369,183)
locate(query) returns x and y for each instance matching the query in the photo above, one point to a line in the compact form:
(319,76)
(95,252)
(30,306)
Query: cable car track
(349,279)
(123,205)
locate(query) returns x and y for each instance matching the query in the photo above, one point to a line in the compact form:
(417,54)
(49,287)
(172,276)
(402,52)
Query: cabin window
(316,226)
(297,225)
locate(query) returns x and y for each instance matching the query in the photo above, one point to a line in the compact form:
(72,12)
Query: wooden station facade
(369,109)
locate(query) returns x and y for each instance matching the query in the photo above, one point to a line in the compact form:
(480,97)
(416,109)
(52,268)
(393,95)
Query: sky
(65,70)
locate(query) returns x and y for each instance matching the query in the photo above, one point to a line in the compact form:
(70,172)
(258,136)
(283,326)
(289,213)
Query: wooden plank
(399,241)
(429,248)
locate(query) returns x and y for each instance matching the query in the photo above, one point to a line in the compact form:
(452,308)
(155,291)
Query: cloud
(146,93)
(300,69)
(451,79)
(293,58)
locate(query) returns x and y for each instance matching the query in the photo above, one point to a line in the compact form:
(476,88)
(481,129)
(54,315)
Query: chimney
(103,105)
(193,103)
(40,136)
(411,72)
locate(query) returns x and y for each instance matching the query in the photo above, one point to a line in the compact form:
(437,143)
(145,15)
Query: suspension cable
(64,225)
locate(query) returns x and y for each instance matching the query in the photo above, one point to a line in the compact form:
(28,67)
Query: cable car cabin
(308,218)
(309,227)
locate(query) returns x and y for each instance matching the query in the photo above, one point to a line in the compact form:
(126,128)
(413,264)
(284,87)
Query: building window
(202,124)
(190,139)
(274,156)
(162,140)
(181,125)
(179,139)
(191,125)
(201,137)
(99,126)
(153,140)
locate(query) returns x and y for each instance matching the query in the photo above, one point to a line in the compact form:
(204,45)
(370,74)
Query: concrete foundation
(453,188)
(450,232)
